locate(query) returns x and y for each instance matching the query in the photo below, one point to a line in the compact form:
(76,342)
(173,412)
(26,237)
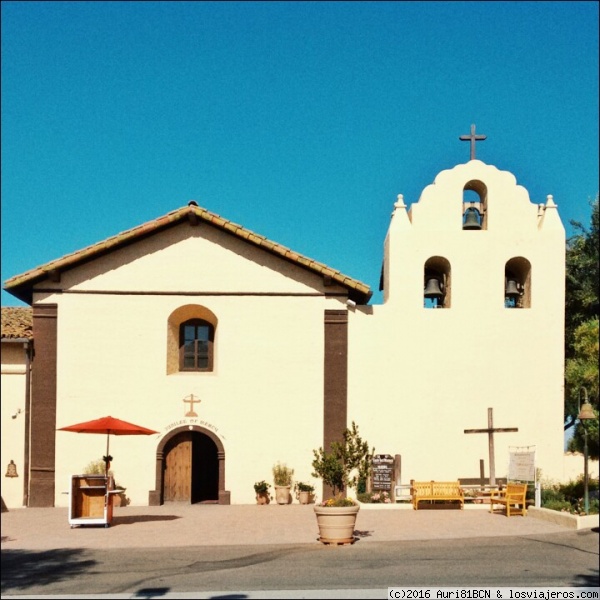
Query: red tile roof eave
(21,286)
(17,324)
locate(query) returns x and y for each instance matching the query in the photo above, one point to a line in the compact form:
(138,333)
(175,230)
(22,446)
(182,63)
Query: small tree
(581,314)
(346,464)
(581,372)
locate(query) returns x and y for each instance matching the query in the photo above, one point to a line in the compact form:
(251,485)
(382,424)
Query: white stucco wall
(438,371)
(417,378)
(264,399)
(13,429)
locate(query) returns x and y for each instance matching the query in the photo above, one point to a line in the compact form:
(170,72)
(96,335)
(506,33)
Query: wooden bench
(513,498)
(436,490)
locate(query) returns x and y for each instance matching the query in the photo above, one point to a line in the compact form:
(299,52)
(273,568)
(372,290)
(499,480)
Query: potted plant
(282,478)
(262,492)
(345,465)
(304,492)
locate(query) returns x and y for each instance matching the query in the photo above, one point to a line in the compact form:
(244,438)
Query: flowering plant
(381,497)
(338,500)
(378,497)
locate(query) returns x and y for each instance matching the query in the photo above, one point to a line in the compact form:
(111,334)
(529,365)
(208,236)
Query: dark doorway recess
(191,469)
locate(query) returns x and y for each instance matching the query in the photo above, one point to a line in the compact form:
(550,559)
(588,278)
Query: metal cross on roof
(472,138)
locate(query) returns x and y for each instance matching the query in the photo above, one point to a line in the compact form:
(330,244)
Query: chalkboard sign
(383,472)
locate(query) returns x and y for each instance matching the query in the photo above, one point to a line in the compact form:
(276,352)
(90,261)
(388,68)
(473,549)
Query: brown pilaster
(43,406)
(335,393)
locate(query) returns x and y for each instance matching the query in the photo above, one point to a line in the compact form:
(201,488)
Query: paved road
(234,552)
(552,560)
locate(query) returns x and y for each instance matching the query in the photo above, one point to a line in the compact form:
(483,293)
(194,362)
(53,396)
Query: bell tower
(473,317)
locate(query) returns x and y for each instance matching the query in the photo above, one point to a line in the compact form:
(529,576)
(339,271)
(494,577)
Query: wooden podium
(90,500)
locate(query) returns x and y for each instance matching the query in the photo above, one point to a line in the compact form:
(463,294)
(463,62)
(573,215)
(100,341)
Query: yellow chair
(512,497)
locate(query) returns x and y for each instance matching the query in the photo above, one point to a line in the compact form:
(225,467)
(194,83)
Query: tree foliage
(581,302)
(581,315)
(347,463)
(581,372)
(581,329)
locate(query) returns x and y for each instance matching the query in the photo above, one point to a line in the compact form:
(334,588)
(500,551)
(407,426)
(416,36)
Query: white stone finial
(550,201)
(398,204)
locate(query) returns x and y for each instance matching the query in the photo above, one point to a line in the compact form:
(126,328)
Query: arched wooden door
(191,469)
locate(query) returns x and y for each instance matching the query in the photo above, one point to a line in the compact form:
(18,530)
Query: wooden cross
(473,138)
(490,431)
(191,401)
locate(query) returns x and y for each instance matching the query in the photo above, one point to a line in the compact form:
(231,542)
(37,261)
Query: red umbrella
(108,425)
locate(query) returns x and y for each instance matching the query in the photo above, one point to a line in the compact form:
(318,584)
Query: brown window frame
(196,323)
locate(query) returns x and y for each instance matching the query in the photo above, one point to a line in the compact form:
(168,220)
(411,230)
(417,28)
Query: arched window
(474,206)
(517,283)
(191,339)
(196,338)
(437,283)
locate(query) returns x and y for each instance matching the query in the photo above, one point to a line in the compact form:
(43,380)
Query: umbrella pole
(106,463)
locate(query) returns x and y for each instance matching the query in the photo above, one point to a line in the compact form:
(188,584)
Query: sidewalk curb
(564,519)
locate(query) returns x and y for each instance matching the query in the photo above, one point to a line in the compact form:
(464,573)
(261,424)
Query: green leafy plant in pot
(344,466)
(304,492)
(262,492)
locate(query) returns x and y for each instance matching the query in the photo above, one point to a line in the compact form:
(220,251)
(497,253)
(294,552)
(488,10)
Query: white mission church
(242,353)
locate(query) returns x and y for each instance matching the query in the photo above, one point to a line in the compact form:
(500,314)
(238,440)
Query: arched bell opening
(517,283)
(436,283)
(474,206)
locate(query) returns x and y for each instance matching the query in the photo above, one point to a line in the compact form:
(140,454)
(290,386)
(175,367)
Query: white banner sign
(521,465)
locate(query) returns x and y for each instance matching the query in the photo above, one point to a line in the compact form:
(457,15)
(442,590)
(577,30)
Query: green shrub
(568,497)
(560,505)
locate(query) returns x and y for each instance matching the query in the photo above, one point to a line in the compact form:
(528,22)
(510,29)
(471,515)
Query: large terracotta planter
(336,523)
(283,494)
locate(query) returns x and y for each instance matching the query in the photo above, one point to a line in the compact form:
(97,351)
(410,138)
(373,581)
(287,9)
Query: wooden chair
(512,497)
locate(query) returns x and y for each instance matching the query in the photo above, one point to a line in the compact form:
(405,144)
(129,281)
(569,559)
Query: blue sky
(301,121)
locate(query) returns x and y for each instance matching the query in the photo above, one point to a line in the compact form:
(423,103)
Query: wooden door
(178,469)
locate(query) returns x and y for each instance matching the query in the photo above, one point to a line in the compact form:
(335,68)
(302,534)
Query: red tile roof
(21,285)
(17,322)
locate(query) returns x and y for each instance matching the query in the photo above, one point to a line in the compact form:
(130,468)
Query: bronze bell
(11,469)
(512,289)
(472,218)
(433,288)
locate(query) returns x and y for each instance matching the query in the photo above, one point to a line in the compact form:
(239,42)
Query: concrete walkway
(177,524)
